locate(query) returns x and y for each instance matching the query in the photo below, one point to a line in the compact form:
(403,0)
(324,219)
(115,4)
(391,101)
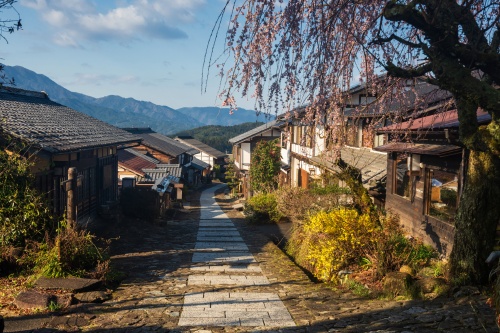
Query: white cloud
(65,39)
(56,18)
(83,79)
(78,21)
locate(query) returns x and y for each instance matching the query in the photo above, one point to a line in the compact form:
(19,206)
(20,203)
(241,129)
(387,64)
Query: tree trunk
(477,219)
(352,176)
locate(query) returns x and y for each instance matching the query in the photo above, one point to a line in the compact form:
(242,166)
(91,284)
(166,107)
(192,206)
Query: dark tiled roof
(161,142)
(255,131)
(33,118)
(199,164)
(162,171)
(135,161)
(192,142)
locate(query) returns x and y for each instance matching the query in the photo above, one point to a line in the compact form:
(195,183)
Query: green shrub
(79,253)
(265,166)
(357,287)
(24,212)
(262,208)
(393,249)
(231,178)
(71,253)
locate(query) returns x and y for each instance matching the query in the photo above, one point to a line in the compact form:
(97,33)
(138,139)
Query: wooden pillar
(71,192)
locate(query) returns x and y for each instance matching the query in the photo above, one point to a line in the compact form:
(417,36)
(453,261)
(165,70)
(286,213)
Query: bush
(297,203)
(393,249)
(263,208)
(71,253)
(317,189)
(265,166)
(330,241)
(24,212)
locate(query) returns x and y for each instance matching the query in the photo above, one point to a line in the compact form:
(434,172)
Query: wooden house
(169,151)
(131,164)
(138,170)
(307,148)
(211,156)
(60,138)
(425,175)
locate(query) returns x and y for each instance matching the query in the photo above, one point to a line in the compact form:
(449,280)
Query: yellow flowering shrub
(331,241)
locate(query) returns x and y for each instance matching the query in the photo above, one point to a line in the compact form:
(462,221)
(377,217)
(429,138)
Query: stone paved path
(220,248)
(163,281)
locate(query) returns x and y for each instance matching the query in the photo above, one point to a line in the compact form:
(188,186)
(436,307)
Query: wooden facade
(425,176)
(97,185)
(424,212)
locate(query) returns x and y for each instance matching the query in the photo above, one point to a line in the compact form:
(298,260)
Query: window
(308,132)
(352,131)
(107,176)
(402,176)
(442,195)
(284,139)
(298,134)
(365,99)
(237,154)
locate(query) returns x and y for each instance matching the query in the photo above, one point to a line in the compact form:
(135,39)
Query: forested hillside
(218,136)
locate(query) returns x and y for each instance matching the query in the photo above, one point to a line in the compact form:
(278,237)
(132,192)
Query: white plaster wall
(245,156)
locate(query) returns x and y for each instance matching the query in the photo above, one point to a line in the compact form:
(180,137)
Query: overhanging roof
(162,170)
(202,147)
(161,142)
(256,131)
(135,161)
(199,164)
(440,121)
(372,165)
(420,148)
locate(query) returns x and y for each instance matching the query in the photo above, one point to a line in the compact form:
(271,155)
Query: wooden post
(71,192)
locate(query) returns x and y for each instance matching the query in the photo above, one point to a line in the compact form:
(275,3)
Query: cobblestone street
(206,271)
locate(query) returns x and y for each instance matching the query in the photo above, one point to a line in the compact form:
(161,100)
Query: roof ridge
(18,91)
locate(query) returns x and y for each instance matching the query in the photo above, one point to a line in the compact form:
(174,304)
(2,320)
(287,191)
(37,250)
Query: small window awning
(197,166)
(284,167)
(420,148)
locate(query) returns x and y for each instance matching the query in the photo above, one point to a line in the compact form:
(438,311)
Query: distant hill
(220,116)
(129,112)
(218,136)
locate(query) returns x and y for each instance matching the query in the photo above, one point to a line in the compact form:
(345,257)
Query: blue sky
(150,50)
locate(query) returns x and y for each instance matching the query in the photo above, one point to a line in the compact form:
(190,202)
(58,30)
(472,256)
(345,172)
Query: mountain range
(129,112)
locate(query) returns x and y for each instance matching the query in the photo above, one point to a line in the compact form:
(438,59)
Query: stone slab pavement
(228,308)
(157,260)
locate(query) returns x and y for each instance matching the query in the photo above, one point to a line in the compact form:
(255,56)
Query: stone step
(70,284)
